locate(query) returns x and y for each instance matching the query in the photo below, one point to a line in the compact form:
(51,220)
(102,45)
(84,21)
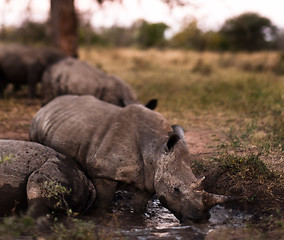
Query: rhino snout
(186,212)
(194,215)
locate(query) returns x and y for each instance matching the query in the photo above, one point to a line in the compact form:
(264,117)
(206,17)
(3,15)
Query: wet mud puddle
(160,223)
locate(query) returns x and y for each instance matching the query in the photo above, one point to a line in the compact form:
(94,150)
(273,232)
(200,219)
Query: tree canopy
(151,34)
(248,31)
(190,37)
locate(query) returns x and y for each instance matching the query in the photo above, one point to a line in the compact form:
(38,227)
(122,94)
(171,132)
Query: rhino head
(176,186)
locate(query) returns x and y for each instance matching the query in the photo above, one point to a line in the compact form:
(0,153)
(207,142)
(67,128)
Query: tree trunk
(63,20)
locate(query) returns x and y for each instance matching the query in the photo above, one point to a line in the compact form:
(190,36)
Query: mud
(264,198)
(160,223)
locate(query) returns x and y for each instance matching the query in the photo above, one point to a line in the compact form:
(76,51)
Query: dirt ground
(263,197)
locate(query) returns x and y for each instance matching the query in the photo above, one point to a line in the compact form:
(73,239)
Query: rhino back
(21,65)
(71,76)
(68,124)
(109,142)
(117,92)
(12,62)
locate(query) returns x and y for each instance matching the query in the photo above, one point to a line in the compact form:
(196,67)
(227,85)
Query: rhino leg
(33,78)
(58,186)
(39,204)
(105,192)
(3,83)
(140,201)
(38,207)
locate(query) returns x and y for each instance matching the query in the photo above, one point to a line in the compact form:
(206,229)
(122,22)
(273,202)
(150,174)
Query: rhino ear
(173,139)
(178,130)
(152,104)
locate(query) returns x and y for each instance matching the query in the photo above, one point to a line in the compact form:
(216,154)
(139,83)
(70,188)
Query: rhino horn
(195,185)
(210,199)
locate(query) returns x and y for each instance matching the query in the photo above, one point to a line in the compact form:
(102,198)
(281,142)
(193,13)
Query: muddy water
(159,223)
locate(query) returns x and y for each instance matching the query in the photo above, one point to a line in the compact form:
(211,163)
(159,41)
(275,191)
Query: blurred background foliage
(246,32)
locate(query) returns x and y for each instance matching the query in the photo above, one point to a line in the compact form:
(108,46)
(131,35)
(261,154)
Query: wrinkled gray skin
(25,166)
(131,147)
(72,76)
(21,65)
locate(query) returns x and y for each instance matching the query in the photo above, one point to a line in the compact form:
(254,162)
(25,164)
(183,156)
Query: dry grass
(237,96)
(241,93)
(15,117)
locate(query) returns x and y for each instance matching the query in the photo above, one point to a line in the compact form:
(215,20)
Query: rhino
(22,65)
(72,76)
(130,148)
(30,173)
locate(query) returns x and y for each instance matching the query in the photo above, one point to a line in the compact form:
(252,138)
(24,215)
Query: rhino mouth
(188,215)
(200,217)
(197,209)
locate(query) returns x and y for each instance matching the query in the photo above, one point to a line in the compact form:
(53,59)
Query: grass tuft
(11,227)
(247,167)
(77,230)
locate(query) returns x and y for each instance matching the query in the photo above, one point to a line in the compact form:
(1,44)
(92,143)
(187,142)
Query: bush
(247,167)
(29,33)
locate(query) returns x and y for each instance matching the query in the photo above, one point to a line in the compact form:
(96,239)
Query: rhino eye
(176,190)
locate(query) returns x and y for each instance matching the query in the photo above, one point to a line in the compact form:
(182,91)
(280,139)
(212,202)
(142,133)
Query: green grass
(12,227)
(249,166)
(240,95)
(78,230)
(241,87)
(18,227)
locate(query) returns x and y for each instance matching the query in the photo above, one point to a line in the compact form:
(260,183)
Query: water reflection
(160,223)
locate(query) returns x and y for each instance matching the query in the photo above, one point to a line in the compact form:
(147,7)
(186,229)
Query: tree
(64,26)
(118,36)
(28,32)
(190,37)
(64,23)
(87,35)
(280,41)
(248,31)
(151,34)
(214,41)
